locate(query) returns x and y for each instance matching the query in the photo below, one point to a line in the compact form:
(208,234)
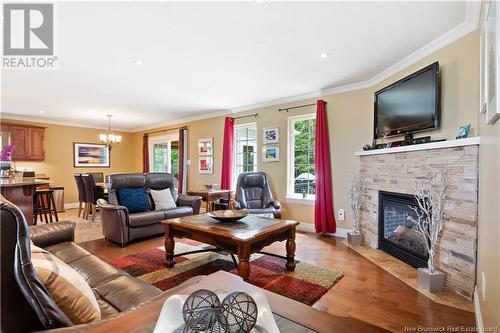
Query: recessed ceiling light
(42,112)
(325,54)
(213,87)
(139,62)
(258,1)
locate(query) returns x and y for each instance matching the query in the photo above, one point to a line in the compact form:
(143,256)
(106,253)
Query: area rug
(306,285)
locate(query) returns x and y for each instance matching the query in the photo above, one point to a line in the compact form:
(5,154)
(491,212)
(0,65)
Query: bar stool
(45,204)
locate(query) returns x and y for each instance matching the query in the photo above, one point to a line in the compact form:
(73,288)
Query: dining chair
(91,195)
(82,196)
(98,176)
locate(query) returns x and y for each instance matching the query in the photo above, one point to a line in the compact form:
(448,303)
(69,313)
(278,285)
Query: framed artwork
(271,135)
(206,165)
(271,154)
(491,68)
(205,147)
(90,155)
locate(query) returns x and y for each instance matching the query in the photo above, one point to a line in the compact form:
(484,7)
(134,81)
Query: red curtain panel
(145,153)
(182,162)
(227,154)
(324,219)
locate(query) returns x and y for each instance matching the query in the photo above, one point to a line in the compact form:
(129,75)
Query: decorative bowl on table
(210,187)
(228,215)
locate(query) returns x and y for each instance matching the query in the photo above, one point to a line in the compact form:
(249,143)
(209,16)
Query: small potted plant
(357,191)
(6,158)
(429,221)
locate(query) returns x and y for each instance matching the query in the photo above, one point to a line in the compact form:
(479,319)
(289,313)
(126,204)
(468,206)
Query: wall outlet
(188,162)
(341,214)
(483,286)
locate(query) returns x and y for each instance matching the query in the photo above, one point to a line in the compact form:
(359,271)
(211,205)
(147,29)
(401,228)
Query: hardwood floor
(366,292)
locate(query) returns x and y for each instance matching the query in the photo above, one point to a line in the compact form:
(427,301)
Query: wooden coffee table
(247,236)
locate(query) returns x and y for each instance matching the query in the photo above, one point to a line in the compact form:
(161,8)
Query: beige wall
(350,121)
(488,255)
(58,163)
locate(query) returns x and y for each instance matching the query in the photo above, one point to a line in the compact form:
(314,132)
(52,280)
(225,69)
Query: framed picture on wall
(205,147)
(271,135)
(271,154)
(206,165)
(491,68)
(90,155)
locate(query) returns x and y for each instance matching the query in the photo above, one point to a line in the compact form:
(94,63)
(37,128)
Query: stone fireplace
(399,171)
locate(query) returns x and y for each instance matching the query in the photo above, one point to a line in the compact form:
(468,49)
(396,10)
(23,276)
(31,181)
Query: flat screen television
(408,105)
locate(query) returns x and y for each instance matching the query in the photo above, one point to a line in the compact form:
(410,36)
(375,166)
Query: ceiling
(205,58)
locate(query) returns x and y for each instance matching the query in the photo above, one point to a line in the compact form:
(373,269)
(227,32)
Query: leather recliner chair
(121,227)
(254,194)
(26,304)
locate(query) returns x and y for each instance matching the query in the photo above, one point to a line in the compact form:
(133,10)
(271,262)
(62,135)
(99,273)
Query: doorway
(164,154)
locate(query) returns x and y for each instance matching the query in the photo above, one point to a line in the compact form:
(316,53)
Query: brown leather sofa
(120,226)
(25,303)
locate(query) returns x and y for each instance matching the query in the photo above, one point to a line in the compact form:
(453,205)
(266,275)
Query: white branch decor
(357,191)
(430,214)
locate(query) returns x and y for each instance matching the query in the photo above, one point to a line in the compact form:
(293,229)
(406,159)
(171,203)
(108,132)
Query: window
(301,142)
(164,154)
(245,149)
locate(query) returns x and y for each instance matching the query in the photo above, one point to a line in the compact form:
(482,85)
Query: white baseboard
(477,312)
(71,205)
(309,227)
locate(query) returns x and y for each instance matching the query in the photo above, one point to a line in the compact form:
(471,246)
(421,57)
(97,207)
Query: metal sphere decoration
(240,311)
(208,321)
(196,305)
(203,312)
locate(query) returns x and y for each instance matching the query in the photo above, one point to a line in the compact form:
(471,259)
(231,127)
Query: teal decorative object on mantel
(463,131)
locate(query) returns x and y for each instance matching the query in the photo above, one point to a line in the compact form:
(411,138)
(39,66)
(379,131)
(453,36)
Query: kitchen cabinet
(29,141)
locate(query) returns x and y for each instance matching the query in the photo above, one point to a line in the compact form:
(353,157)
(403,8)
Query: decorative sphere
(207,321)
(196,306)
(240,311)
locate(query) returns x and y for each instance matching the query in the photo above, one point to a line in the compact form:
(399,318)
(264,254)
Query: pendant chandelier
(110,139)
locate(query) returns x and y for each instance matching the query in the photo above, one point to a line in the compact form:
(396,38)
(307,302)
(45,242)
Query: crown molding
(181,121)
(471,23)
(11,116)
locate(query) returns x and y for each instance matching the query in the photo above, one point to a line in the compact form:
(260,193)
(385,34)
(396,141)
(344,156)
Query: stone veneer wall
(401,172)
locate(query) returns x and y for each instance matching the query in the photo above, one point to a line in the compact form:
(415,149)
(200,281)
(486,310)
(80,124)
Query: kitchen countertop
(12,182)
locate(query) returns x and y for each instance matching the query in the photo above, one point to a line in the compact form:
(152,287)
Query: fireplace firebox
(397,234)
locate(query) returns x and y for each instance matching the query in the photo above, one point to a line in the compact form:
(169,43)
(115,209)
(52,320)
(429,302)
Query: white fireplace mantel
(424,146)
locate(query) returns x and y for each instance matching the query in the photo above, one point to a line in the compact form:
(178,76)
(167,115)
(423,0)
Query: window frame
(291,196)
(235,150)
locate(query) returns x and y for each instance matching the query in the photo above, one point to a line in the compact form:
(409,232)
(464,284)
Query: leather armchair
(253,193)
(121,226)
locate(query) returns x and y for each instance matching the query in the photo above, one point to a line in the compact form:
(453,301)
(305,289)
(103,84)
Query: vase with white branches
(428,220)
(357,191)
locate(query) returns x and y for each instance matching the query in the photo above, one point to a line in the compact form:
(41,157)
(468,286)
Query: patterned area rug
(306,285)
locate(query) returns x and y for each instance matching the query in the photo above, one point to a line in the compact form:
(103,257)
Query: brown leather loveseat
(25,303)
(121,226)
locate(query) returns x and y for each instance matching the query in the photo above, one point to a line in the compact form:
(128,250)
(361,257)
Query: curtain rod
(166,130)
(250,115)
(296,107)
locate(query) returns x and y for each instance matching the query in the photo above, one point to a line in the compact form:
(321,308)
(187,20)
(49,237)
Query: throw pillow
(134,198)
(68,289)
(163,199)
